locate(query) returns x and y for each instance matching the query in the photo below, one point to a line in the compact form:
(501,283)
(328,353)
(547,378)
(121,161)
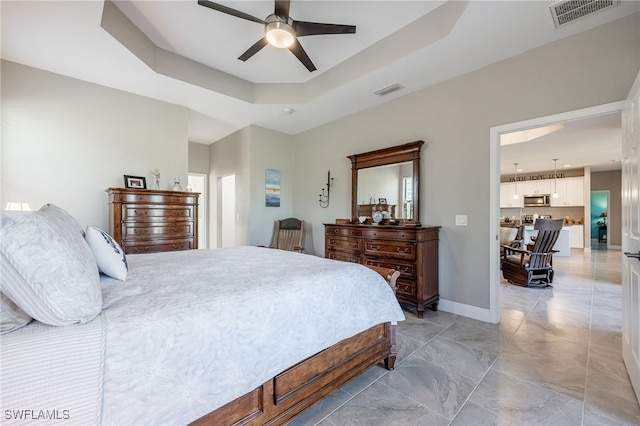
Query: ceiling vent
(386,90)
(567,11)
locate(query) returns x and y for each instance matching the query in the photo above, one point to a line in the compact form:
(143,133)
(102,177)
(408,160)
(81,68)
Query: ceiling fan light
(279,34)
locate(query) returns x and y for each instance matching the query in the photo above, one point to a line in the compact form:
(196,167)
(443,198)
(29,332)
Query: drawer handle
(376,248)
(401,250)
(140,231)
(354,245)
(140,249)
(144,212)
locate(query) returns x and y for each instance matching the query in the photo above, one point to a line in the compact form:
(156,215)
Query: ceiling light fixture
(515,181)
(278,32)
(555,178)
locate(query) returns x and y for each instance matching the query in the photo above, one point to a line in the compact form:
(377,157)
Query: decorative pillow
(11,316)
(109,255)
(48,269)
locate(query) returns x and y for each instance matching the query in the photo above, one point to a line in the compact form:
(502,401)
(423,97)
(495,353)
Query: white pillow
(11,316)
(48,269)
(109,255)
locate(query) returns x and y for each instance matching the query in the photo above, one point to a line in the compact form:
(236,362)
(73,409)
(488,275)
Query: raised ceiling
(195,50)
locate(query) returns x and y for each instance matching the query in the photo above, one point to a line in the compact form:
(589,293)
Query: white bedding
(190,331)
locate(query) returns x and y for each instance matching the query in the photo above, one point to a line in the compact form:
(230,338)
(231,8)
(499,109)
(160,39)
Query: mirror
(387,180)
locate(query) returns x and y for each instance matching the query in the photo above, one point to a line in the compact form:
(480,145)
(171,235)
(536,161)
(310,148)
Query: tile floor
(555,359)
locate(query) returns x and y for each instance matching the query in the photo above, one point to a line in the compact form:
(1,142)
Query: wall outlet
(461,220)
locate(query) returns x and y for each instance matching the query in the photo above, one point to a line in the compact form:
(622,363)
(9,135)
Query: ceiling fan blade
(303,28)
(229,11)
(253,49)
(282,9)
(297,50)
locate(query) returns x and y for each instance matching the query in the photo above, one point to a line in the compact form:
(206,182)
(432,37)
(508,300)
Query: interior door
(631,235)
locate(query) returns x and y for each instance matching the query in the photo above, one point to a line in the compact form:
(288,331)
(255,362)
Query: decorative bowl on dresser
(151,221)
(398,241)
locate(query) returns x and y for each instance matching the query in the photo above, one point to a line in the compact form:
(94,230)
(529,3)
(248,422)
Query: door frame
(494,186)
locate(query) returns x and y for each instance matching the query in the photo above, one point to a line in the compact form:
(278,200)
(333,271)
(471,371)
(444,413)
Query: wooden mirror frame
(382,157)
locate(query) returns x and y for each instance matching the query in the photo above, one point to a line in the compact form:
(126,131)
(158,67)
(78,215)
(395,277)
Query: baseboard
(469,311)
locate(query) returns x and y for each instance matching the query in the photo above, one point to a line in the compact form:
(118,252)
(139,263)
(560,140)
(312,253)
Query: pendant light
(515,181)
(555,178)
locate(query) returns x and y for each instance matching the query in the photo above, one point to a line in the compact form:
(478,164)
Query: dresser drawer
(394,249)
(343,244)
(342,232)
(390,234)
(140,231)
(406,288)
(157,198)
(135,247)
(407,269)
(156,213)
(344,257)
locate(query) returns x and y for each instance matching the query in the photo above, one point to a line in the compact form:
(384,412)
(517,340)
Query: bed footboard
(289,393)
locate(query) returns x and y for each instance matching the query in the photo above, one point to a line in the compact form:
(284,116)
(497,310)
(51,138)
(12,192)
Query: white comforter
(190,331)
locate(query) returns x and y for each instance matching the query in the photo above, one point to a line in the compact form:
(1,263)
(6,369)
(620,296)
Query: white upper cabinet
(570,192)
(534,187)
(507,191)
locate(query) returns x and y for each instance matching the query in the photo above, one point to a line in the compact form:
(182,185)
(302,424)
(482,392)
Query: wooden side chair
(534,267)
(287,235)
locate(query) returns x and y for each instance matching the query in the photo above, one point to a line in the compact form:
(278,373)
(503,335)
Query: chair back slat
(288,234)
(548,232)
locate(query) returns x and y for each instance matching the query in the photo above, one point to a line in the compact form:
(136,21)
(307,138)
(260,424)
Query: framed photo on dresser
(135,182)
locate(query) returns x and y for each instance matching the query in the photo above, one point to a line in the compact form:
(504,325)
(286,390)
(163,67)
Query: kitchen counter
(562,244)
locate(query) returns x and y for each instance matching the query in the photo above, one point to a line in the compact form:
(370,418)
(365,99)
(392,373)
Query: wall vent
(567,11)
(386,90)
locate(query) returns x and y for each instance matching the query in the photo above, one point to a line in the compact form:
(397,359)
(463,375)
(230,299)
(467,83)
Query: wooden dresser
(146,221)
(411,250)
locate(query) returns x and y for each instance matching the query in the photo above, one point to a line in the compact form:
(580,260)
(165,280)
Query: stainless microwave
(537,200)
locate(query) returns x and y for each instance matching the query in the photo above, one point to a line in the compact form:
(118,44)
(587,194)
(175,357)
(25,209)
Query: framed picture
(272,189)
(382,201)
(135,182)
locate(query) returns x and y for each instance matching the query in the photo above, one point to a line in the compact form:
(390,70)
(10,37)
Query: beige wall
(198,158)
(454,119)
(247,153)
(611,181)
(64,141)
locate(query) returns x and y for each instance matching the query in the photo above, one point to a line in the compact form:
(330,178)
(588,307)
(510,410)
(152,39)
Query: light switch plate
(461,220)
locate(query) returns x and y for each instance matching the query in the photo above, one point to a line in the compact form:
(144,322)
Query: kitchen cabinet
(534,187)
(507,190)
(570,192)
(576,236)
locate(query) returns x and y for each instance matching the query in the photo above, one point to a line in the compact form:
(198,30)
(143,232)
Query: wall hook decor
(324,195)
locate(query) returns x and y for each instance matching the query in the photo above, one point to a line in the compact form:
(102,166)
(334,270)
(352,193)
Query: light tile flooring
(555,359)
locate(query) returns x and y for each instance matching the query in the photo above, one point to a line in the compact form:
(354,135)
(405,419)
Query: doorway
(226,211)
(494,195)
(598,220)
(197,182)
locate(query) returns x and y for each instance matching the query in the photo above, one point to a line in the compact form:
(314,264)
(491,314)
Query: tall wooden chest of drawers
(411,250)
(146,221)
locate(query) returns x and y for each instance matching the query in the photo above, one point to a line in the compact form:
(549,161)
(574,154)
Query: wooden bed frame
(289,393)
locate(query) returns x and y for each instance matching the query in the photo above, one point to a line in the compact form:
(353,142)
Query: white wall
(247,153)
(454,118)
(65,141)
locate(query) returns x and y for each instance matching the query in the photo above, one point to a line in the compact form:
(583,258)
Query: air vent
(567,11)
(386,90)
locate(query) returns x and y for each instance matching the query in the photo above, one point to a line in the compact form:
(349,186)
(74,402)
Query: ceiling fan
(281,31)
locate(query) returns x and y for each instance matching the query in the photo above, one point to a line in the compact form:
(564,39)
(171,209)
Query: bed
(243,335)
